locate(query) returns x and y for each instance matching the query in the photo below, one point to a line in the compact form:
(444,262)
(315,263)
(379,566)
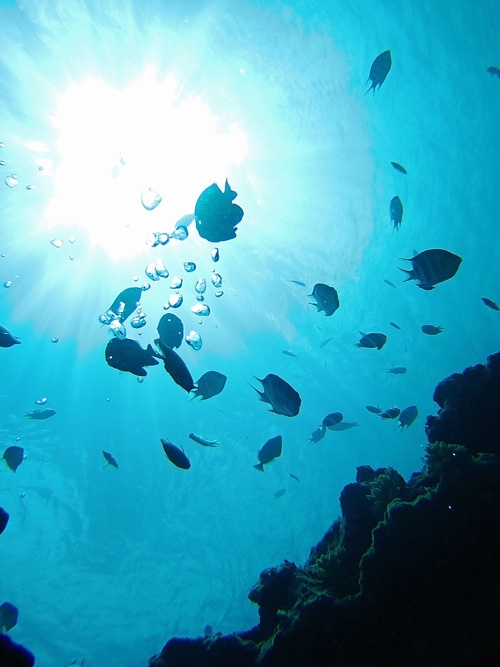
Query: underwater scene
(249,332)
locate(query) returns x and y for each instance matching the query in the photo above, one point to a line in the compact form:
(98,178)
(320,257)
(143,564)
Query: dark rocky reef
(407,576)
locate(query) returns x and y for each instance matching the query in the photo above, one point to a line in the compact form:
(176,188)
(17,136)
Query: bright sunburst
(115,144)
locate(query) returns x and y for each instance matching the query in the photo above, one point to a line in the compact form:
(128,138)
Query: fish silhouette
(280,395)
(215,214)
(431,267)
(327,299)
(379,70)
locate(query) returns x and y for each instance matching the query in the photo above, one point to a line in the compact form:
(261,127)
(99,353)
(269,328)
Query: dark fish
(431,330)
(280,395)
(396,211)
(127,355)
(431,267)
(374,409)
(488,302)
(494,71)
(170,330)
(294,477)
(280,493)
(333,419)
(399,167)
(371,340)
(203,441)
(207,631)
(13,457)
(4,519)
(297,282)
(396,326)
(126,302)
(175,455)
(7,339)
(8,617)
(111,461)
(388,282)
(343,426)
(41,414)
(216,216)
(210,384)
(289,354)
(398,370)
(326,297)
(391,413)
(325,342)
(177,369)
(407,416)
(318,434)
(379,70)
(269,451)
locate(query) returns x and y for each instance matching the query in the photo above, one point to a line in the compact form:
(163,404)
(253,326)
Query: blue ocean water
(102,101)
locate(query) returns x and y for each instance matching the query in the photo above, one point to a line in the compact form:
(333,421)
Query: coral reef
(407,575)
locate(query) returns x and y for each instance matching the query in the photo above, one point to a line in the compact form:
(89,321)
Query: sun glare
(115,144)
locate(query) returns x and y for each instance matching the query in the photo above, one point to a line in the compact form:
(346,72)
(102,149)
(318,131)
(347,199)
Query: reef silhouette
(407,575)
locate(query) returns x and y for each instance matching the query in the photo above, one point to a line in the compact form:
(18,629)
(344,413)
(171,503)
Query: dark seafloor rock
(408,575)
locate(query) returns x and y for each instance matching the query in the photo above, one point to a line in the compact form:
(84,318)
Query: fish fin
(410,273)
(259,466)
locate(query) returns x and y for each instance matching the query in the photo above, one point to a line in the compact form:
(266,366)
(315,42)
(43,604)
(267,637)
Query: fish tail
(409,274)
(259,466)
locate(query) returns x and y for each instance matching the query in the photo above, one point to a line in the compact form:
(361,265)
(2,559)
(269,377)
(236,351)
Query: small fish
(391,413)
(332,419)
(4,519)
(111,461)
(494,71)
(396,326)
(396,212)
(270,450)
(294,477)
(7,339)
(431,267)
(8,617)
(327,298)
(325,342)
(372,340)
(431,330)
(203,441)
(374,409)
(399,167)
(398,370)
(297,282)
(343,426)
(282,397)
(210,384)
(379,70)
(175,455)
(388,282)
(13,457)
(215,214)
(407,416)
(488,302)
(42,414)
(318,434)
(280,493)
(289,354)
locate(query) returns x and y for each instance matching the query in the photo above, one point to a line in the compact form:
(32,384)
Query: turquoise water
(108,564)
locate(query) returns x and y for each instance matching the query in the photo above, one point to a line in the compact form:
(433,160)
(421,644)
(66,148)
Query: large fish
(379,70)
(269,451)
(216,216)
(280,395)
(13,457)
(7,339)
(8,619)
(327,299)
(177,369)
(127,355)
(210,384)
(170,330)
(407,416)
(332,419)
(431,267)
(175,455)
